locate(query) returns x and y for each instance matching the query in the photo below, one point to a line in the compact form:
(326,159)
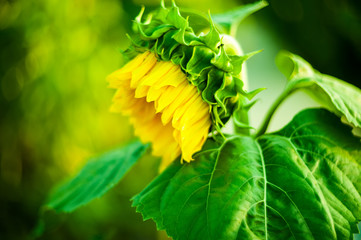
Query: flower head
(179,85)
(163,107)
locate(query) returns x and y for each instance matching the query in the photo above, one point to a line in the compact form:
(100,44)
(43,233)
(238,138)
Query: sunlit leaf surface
(96,178)
(303,182)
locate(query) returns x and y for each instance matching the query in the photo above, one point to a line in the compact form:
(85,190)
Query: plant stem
(233,30)
(288,90)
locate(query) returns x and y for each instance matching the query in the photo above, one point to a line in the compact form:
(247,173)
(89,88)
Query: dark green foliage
(300,183)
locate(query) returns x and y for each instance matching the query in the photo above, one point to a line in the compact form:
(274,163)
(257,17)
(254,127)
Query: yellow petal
(181,110)
(156,74)
(194,112)
(164,138)
(142,70)
(141,91)
(168,98)
(180,100)
(134,63)
(154,93)
(172,78)
(118,80)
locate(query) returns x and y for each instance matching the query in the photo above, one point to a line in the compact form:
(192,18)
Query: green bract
(209,65)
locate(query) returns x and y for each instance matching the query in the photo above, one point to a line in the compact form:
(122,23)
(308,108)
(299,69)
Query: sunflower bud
(178,85)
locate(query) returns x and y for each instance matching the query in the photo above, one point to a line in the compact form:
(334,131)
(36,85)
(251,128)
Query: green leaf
(97,177)
(303,182)
(232,18)
(338,96)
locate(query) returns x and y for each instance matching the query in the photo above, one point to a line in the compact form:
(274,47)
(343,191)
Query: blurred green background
(55,55)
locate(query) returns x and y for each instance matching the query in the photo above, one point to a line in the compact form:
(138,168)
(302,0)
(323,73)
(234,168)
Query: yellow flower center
(163,106)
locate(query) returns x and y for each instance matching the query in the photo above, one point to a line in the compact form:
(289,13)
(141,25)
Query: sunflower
(179,85)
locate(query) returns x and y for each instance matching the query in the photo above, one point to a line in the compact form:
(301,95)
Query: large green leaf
(338,96)
(303,182)
(96,178)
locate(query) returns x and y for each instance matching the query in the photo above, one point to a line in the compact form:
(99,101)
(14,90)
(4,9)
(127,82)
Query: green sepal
(222,61)
(253,93)
(202,57)
(239,112)
(212,39)
(207,93)
(175,18)
(239,60)
(197,64)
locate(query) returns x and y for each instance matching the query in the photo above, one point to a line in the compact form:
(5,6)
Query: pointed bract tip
(140,15)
